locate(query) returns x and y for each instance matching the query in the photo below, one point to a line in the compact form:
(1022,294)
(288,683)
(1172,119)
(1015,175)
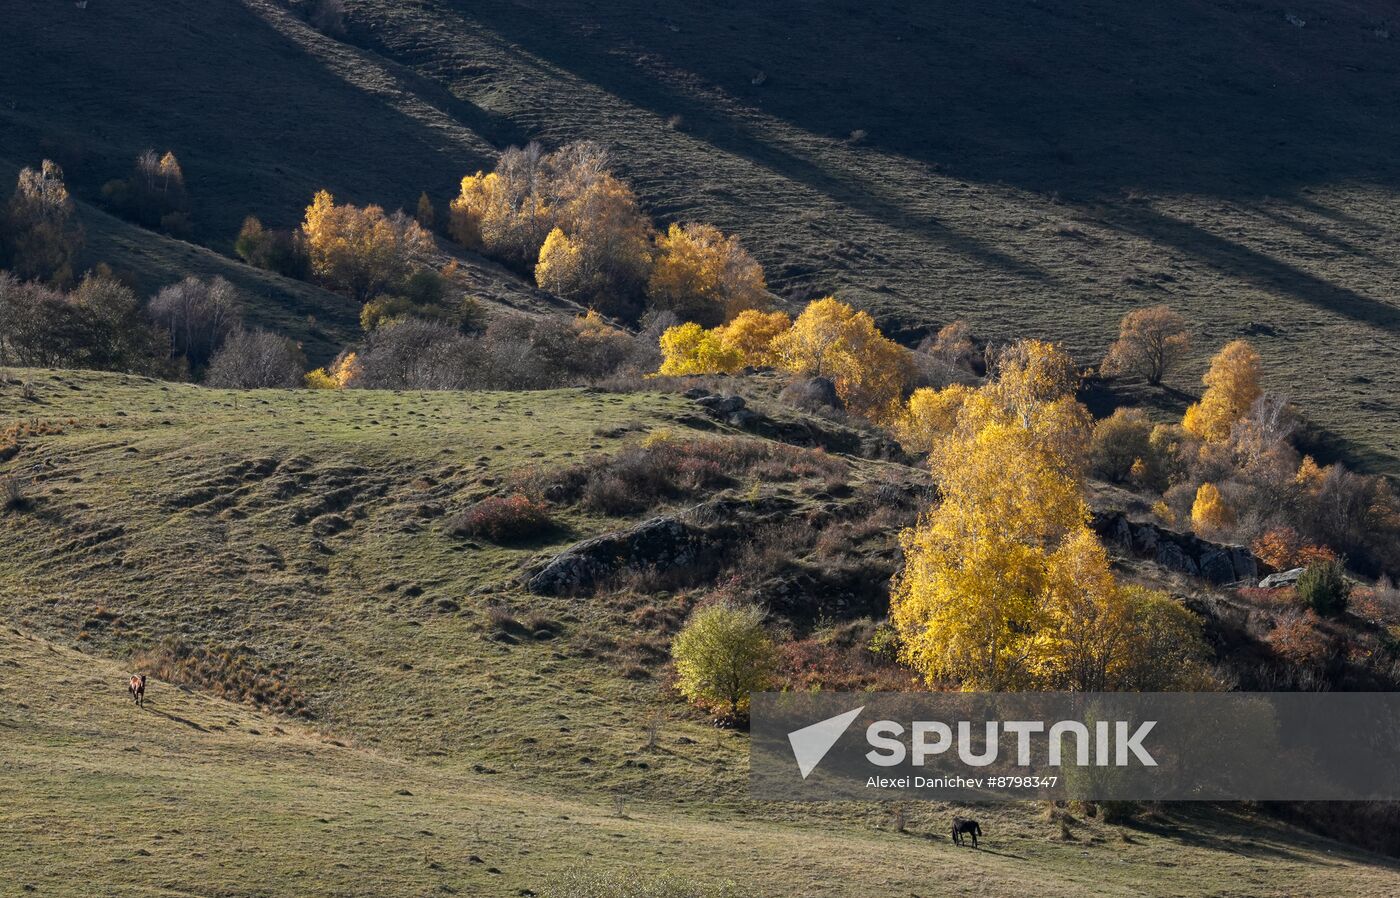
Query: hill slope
(302,540)
(1037,170)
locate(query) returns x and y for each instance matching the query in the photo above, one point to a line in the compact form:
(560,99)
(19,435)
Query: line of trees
(829,340)
(566,219)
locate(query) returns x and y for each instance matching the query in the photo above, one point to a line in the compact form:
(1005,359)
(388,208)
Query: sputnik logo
(811,743)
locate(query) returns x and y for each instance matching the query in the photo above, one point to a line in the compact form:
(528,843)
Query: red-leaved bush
(502,519)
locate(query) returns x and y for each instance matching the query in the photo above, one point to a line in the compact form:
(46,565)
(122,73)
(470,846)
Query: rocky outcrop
(797,431)
(665,542)
(687,545)
(1182,552)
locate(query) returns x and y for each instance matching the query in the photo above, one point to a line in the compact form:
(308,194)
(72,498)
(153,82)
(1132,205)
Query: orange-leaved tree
(1209,512)
(362,252)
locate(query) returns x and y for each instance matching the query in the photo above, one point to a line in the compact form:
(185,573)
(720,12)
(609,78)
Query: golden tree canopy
(1232,386)
(362,252)
(752,333)
(691,349)
(1004,585)
(701,274)
(830,339)
(1209,512)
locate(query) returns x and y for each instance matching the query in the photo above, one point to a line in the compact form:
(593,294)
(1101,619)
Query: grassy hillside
(426,725)
(1037,170)
(197,796)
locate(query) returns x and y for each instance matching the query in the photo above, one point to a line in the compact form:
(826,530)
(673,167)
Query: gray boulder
(1282,578)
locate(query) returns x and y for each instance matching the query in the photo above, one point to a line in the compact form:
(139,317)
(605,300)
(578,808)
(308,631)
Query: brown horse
(137,688)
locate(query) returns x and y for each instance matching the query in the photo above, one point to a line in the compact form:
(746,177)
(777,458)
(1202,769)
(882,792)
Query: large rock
(661,542)
(1283,578)
(688,544)
(1185,553)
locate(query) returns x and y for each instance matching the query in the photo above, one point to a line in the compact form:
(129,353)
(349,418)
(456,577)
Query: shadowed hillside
(1036,170)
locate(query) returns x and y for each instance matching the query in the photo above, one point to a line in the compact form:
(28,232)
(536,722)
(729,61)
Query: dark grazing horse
(961,827)
(137,688)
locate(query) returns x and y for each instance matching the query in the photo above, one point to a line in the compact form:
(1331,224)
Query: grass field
(305,532)
(194,796)
(1037,170)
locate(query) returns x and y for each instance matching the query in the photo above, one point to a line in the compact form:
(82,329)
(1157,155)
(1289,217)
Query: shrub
(256,359)
(318,379)
(1323,587)
(14,492)
(424,295)
(1282,548)
(503,519)
(1150,342)
(1300,640)
(99,326)
(35,324)
(1120,442)
(414,354)
(154,195)
(722,655)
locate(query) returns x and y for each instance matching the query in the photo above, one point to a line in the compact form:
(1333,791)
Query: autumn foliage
(361,251)
(829,339)
(1004,585)
(565,217)
(691,349)
(701,274)
(832,340)
(1210,513)
(503,519)
(1232,386)
(41,235)
(1150,342)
